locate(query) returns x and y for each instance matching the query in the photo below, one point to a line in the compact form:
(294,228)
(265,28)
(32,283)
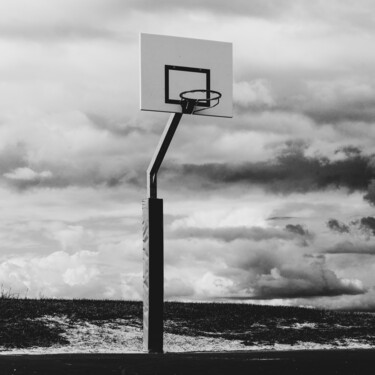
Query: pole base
(153,275)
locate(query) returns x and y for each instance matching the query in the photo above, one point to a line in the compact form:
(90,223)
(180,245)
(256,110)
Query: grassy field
(22,324)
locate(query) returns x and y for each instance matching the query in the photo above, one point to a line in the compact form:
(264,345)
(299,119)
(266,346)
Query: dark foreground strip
(319,362)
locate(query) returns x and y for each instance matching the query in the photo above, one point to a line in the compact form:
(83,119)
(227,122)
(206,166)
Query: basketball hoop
(170,68)
(188,104)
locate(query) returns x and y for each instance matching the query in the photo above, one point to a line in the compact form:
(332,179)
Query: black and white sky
(274,206)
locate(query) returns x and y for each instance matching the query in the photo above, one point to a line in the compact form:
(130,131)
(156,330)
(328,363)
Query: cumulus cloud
(60,272)
(273,268)
(211,285)
(82,274)
(307,281)
(267,272)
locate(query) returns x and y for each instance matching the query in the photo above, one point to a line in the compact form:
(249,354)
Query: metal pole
(153,247)
(160,152)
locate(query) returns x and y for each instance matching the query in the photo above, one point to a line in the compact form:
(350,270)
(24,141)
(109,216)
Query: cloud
(370,196)
(64,21)
(336,226)
(368,224)
(255,94)
(12,157)
(25,178)
(306,281)
(211,285)
(229,234)
(54,274)
(349,151)
(348,247)
(27,174)
(70,237)
(59,150)
(54,33)
(338,101)
(82,274)
(278,218)
(297,229)
(177,288)
(291,171)
(282,272)
(254,8)
(272,268)
(335,14)
(361,302)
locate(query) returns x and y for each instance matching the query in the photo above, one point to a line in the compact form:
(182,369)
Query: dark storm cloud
(370,196)
(306,281)
(337,226)
(268,272)
(298,229)
(276,218)
(348,247)
(270,275)
(255,261)
(229,234)
(368,224)
(349,151)
(301,232)
(291,171)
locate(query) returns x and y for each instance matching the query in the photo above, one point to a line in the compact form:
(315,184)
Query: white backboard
(171,65)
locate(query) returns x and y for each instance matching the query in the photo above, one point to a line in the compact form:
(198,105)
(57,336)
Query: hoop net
(189,104)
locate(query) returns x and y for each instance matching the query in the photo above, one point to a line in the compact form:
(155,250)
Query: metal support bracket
(160,152)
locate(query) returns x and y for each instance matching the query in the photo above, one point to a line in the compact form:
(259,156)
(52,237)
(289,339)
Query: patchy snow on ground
(303,325)
(118,336)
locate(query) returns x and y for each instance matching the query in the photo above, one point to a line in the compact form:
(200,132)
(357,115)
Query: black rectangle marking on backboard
(168,68)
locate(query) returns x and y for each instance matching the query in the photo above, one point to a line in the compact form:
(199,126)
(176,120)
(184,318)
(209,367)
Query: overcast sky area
(274,206)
